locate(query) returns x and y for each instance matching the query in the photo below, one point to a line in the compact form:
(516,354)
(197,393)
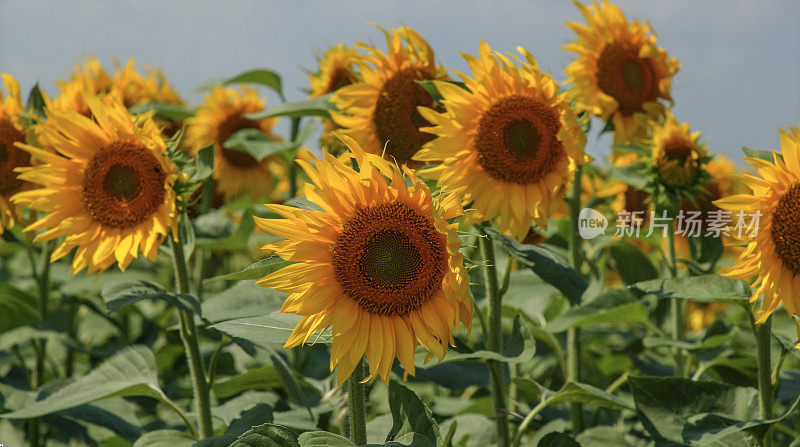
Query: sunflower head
(337,69)
(92,77)
(106,186)
(621,75)
(378,262)
(678,156)
(380,112)
(772,254)
(236,173)
(507,143)
(12,131)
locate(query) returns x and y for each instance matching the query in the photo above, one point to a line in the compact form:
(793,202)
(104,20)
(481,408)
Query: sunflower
(701,315)
(772,254)
(380,112)
(107,187)
(126,85)
(378,262)
(678,155)
(337,69)
(620,74)
(12,131)
(508,143)
(236,173)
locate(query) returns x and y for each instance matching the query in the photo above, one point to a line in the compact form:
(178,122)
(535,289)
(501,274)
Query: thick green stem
(676,305)
(42,277)
(574,334)
(293,167)
(188,331)
(494,339)
(357,405)
(765,389)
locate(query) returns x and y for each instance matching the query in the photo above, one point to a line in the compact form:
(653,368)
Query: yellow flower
(620,73)
(378,263)
(508,143)
(106,186)
(677,153)
(772,255)
(126,85)
(380,112)
(701,315)
(236,173)
(12,131)
(337,69)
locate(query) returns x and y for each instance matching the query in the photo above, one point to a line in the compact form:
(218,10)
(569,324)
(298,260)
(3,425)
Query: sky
(739,82)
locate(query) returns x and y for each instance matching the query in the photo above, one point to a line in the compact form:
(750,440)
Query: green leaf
(666,404)
(268,435)
(243,300)
(119,295)
(763,155)
(703,289)
(130,372)
(610,307)
(267,78)
(548,265)
(319,106)
(634,148)
(174,112)
(36,104)
(262,378)
(165,438)
(518,348)
(632,265)
(710,429)
(258,270)
(558,440)
(630,175)
(273,328)
(581,392)
(324,439)
(203,164)
(410,415)
(257,144)
(16,312)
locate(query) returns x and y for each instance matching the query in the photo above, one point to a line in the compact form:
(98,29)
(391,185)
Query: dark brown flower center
(785,230)
(11,157)
(340,77)
(396,118)
(517,140)
(228,127)
(390,259)
(123,185)
(626,77)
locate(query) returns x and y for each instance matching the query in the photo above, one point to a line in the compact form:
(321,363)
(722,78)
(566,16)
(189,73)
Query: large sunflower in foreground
(620,74)
(337,69)
(380,112)
(508,143)
(236,173)
(772,257)
(12,131)
(378,263)
(106,186)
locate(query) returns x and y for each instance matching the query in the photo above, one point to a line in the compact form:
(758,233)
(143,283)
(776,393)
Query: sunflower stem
(42,277)
(765,389)
(293,166)
(356,400)
(188,331)
(574,334)
(495,338)
(676,304)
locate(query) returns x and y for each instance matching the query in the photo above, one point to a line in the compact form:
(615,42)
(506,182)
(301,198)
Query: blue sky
(739,82)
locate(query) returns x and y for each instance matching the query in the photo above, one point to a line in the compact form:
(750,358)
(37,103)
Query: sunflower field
(410,256)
